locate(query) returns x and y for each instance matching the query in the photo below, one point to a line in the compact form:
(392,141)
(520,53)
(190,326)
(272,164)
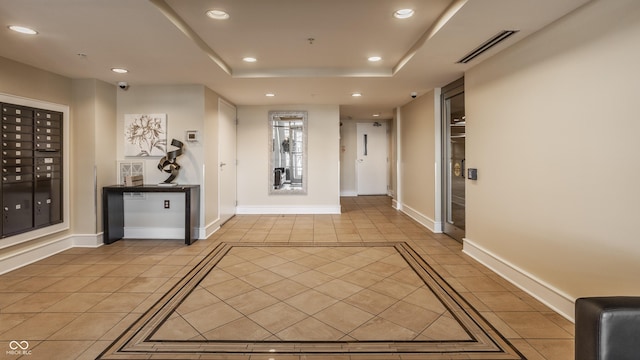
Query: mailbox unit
(31,160)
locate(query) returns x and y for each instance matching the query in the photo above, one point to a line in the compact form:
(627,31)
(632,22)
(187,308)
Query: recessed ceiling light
(217,14)
(23,30)
(374,58)
(356,94)
(403,13)
(269,94)
(249,59)
(120,70)
(376,115)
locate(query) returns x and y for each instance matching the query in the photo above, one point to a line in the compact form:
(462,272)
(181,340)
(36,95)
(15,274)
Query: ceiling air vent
(495,40)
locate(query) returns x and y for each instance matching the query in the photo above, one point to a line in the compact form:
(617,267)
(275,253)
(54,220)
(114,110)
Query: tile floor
(76,303)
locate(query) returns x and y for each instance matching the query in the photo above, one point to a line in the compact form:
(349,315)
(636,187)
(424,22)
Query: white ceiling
(173,42)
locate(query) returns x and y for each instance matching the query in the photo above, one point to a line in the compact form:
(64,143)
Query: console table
(113,209)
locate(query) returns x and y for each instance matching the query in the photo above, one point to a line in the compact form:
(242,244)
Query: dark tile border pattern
(486,342)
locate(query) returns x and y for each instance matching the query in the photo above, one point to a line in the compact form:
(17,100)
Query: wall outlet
(167,204)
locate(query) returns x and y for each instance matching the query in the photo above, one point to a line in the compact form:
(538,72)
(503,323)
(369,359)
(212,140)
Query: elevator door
(454,137)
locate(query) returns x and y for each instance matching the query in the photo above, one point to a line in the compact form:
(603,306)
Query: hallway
(338,278)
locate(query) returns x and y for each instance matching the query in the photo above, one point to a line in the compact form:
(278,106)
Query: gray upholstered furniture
(607,328)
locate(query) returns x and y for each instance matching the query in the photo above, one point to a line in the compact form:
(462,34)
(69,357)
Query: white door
(371,160)
(226,160)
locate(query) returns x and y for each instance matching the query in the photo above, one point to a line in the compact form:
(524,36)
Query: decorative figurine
(168,162)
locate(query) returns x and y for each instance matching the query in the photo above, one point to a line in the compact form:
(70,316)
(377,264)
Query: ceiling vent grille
(495,40)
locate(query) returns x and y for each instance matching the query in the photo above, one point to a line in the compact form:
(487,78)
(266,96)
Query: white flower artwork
(145,134)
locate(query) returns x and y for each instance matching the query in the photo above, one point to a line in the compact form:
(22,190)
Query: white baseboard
(210,229)
(395,204)
(348,193)
(18,259)
(89,240)
(288,209)
(424,220)
(543,292)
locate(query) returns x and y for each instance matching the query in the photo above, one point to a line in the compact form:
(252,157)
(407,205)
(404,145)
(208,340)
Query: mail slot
(46,123)
(17,121)
(48,115)
(16,110)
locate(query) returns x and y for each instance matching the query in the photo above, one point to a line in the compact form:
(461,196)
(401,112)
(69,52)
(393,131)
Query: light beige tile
(71,284)
(230,288)
(88,326)
(10,321)
(311,301)
(502,301)
(212,316)
(338,289)
(554,349)
(35,283)
(409,316)
(277,317)
(381,329)
(198,299)
(242,329)
(39,326)
(393,288)
(106,284)
(118,302)
(310,329)
(343,316)
(35,302)
(47,350)
(176,328)
(370,301)
(444,328)
(143,285)
(284,289)
(533,325)
(252,301)
(77,302)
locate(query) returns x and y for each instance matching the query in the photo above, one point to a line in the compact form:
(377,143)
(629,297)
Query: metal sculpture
(168,162)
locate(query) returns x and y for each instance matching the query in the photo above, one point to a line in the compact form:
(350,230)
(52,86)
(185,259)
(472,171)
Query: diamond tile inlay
(312,298)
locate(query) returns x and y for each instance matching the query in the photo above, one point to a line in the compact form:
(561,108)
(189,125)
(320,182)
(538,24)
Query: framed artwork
(145,134)
(129,168)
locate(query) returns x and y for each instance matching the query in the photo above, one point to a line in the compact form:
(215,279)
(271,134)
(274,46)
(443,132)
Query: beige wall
(417,179)
(552,126)
(93,147)
(105,144)
(23,80)
(185,109)
(323,178)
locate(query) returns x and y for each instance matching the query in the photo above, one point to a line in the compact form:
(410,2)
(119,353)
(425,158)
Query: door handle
(365,144)
(222,164)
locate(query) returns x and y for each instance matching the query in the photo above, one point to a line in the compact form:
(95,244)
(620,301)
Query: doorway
(226,160)
(453,152)
(372,158)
